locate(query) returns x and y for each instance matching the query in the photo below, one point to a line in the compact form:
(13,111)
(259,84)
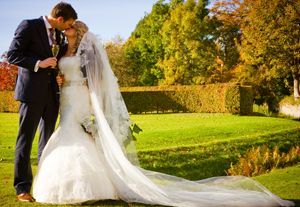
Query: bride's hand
(49,62)
(60,80)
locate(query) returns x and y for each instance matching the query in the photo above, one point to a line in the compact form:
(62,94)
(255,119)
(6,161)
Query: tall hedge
(214,98)
(246,100)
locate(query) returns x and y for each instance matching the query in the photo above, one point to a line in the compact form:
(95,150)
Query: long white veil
(134,184)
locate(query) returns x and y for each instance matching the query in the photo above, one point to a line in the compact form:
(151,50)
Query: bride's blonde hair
(81,29)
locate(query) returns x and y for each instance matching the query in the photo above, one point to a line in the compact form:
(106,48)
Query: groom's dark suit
(37,92)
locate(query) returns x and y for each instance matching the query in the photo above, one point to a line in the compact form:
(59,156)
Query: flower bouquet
(89,125)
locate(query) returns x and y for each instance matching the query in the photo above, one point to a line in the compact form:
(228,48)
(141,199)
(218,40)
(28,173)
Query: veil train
(135,184)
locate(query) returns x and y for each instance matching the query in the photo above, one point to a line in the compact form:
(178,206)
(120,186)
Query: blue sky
(106,18)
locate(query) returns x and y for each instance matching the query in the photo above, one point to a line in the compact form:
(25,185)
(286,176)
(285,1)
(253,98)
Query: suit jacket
(29,45)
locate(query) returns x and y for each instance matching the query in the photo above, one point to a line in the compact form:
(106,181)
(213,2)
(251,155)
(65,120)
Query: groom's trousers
(32,114)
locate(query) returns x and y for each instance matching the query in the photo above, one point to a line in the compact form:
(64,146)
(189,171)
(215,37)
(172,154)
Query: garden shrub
(262,160)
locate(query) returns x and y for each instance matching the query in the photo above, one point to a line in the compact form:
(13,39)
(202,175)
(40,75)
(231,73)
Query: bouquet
(89,125)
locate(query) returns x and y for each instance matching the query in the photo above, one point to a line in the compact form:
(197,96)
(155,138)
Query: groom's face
(63,25)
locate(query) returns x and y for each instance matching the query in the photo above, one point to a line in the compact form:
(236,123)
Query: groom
(36,87)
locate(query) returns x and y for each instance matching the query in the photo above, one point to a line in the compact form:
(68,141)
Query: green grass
(185,130)
(284,182)
(193,146)
(190,142)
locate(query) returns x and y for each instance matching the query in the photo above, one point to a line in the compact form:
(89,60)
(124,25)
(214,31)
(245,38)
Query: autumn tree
(229,15)
(118,62)
(8,74)
(270,48)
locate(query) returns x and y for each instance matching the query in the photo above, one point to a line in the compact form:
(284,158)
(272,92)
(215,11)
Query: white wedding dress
(75,167)
(71,169)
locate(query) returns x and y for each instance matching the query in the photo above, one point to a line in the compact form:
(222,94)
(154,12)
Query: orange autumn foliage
(8,75)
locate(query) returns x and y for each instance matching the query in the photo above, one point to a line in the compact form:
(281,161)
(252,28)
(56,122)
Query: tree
(270,48)
(190,50)
(118,62)
(228,15)
(8,74)
(144,47)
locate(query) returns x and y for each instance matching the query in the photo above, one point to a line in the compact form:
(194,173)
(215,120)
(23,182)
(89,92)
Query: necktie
(52,35)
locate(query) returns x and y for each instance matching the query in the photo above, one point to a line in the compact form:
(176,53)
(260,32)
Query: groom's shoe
(25,197)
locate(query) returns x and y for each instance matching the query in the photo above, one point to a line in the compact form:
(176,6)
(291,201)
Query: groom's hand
(49,62)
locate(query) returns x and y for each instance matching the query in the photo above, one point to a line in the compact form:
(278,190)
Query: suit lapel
(44,36)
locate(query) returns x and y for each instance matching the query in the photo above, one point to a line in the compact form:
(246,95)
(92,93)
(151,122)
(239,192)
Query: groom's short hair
(64,10)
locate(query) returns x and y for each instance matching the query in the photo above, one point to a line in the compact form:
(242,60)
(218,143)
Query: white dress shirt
(48,27)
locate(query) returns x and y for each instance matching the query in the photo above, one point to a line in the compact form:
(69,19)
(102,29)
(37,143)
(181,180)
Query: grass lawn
(185,130)
(284,182)
(193,146)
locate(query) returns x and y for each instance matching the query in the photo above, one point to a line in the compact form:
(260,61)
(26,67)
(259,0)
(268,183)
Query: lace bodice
(70,67)
(74,97)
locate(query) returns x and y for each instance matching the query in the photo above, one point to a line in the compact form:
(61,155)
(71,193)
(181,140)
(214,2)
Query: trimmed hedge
(7,102)
(214,98)
(246,100)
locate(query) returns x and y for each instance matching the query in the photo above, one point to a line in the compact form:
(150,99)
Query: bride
(86,158)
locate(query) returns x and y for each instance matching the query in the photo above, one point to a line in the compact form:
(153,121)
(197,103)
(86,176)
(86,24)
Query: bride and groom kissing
(75,166)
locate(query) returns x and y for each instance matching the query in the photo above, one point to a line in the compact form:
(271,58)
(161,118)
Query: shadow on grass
(109,203)
(297,202)
(203,161)
(116,203)
(191,169)
(122,203)
(200,162)
(257,114)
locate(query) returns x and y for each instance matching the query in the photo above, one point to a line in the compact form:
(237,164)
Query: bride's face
(70,32)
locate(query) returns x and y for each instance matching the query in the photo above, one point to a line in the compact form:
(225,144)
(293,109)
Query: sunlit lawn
(194,146)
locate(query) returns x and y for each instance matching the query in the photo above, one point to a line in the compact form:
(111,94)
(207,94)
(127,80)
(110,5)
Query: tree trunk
(296,86)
